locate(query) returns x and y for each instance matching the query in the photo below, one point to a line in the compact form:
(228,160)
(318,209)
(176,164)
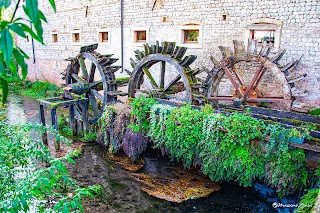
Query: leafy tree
(11,56)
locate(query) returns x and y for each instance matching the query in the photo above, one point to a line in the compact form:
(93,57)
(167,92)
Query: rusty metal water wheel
(92,75)
(249,92)
(163,71)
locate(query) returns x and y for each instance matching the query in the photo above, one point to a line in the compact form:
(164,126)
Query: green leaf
(30,31)
(42,17)
(20,60)
(53,5)
(22,52)
(5,3)
(31,9)
(13,68)
(6,45)
(4,87)
(15,27)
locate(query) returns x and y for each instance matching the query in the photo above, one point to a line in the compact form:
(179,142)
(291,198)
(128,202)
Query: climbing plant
(11,56)
(140,111)
(229,147)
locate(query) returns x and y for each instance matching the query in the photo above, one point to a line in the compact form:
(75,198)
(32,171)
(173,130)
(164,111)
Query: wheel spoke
(237,75)
(233,82)
(92,72)
(94,105)
(162,74)
(83,67)
(152,81)
(173,82)
(78,79)
(97,95)
(93,84)
(256,78)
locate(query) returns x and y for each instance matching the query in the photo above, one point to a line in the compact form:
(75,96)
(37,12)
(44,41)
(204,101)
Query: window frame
(72,34)
(104,30)
(190,27)
(134,31)
(264,26)
(52,34)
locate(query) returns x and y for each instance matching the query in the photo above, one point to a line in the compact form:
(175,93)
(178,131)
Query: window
(263,36)
(224,17)
(54,38)
(266,31)
(191,36)
(140,36)
(103,37)
(76,37)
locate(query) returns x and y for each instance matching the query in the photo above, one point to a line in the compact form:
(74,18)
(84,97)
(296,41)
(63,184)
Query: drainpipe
(121,23)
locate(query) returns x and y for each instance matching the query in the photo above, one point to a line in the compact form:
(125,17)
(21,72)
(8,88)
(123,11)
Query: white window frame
(197,45)
(265,26)
(104,30)
(73,32)
(57,37)
(134,30)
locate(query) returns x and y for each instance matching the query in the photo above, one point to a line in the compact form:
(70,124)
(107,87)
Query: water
(122,193)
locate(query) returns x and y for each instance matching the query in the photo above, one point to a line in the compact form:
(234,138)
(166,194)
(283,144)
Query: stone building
(293,25)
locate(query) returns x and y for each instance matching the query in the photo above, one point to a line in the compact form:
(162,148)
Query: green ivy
(140,111)
(228,147)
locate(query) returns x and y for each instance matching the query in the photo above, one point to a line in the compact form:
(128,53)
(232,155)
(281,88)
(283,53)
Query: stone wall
(299,23)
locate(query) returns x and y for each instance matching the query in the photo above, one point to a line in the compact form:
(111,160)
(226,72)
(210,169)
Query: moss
(315,112)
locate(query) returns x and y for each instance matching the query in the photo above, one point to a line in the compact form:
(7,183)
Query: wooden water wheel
(92,75)
(163,71)
(279,96)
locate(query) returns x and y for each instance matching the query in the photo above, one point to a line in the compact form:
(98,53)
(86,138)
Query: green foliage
(89,137)
(227,146)
(11,56)
(30,177)
(308,201)
(141,107)
(315,112)
(64,129)
(36,90)
(104,124)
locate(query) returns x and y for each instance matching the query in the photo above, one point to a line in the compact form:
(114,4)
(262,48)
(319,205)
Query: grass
(36,90)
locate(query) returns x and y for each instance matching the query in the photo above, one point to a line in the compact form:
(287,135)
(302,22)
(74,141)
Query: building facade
(200,25)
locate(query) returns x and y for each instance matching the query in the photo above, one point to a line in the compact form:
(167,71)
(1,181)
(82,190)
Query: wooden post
(72,121)
(85,118)
(43,121)
(55,125)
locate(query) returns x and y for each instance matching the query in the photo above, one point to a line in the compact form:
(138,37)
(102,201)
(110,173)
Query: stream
(122,192)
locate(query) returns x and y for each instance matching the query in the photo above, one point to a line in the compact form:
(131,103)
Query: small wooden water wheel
(163,71)
(92,75)
(278,90)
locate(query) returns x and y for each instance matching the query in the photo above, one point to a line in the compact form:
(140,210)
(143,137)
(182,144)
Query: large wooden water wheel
(226,82)
(163,71)
(92,75)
